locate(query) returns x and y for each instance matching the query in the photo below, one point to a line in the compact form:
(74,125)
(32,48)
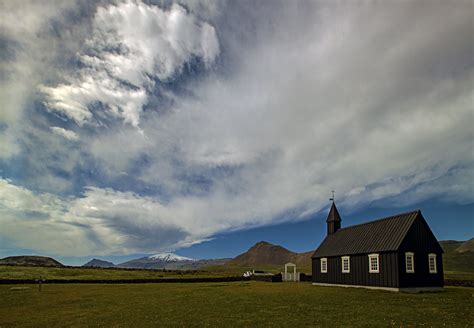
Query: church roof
(376,236)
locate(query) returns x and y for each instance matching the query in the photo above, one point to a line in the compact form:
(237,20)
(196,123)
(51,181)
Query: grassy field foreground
(229,304)
(24,272)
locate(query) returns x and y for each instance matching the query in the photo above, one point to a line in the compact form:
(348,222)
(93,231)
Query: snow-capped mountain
(170,261)
(169,257)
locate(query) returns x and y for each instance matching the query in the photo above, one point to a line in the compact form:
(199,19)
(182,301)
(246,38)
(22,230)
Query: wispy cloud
(68,134)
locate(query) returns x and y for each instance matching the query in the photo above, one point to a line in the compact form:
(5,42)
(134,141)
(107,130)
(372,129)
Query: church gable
(420,237)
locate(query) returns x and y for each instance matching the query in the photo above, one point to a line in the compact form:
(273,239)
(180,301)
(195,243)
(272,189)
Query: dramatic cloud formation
(102,222)
(162,126)
(132,45)
(24,57)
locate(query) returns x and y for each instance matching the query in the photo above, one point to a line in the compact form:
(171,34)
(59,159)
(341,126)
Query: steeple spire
(334,219)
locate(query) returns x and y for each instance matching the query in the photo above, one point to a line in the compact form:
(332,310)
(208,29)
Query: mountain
(169,257)
(170,261)
(304,259)
(31,261)
(266,254)
(467,246)
(96,263)
(158,261)
(458,255)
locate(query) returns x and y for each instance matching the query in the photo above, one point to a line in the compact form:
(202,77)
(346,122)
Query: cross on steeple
(332,198)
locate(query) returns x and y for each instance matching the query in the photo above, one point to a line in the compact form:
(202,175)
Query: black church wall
(359,271)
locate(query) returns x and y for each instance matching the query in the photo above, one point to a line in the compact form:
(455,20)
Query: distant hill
(304,259)
(96,263)
(31,261)
(467,246)
(170,261)
(458,255)
(267,254)
(450,245)
(200,264)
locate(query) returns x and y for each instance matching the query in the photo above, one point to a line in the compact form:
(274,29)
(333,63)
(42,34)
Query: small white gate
(288,276)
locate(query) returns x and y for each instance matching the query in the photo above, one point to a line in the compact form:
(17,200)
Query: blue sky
(202,127)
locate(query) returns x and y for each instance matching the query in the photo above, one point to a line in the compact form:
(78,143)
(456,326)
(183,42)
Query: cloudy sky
(133,127)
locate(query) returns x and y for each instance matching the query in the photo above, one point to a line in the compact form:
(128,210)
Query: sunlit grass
(229,304)
(20,272)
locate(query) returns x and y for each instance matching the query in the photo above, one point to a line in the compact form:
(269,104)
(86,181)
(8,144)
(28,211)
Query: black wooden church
(397,253)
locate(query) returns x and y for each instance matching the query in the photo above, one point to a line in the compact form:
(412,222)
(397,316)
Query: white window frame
(431,257)
(348,259)
(324,269)
(410,255)
(374,256)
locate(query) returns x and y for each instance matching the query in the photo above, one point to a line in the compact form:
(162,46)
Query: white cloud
(73,100)
(32,14)
(133,43)
(25,58)
(205,8)
(8,145)
(102,221)
(68,134)
(33,221)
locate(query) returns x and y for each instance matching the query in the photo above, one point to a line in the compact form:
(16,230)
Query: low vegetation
(458,275)
(76,273)
(79,273)
(229,304)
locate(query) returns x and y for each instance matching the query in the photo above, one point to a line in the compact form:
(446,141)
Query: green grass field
(229,304)
(22,272)
(459,275)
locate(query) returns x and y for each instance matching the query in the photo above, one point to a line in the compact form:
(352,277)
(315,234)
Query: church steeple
(334,219)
